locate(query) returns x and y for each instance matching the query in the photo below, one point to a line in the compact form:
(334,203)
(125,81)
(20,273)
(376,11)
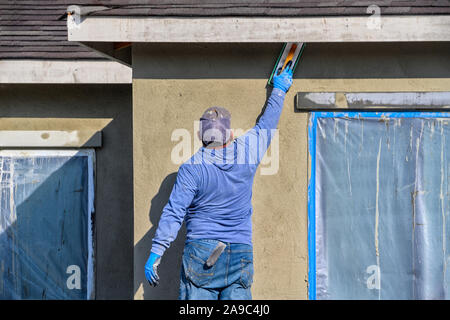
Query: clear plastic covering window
(46,202)
(379,205)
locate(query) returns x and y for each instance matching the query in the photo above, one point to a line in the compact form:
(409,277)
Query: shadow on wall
(319,61)
(114,174)
(169,269)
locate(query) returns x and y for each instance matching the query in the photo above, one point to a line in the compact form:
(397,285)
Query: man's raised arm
(271,116)
(259,137)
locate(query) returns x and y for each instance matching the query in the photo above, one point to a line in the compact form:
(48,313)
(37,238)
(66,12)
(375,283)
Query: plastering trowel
(290,54)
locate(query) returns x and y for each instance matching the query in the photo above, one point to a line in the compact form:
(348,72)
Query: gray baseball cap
(215,126)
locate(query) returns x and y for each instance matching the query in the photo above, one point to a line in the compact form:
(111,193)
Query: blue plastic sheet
(379,205)
(45,211)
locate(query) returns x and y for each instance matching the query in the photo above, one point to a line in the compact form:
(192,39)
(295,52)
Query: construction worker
(212,193)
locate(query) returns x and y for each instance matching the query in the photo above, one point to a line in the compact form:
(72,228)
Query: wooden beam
(58,71)
(244,29)
(308,101)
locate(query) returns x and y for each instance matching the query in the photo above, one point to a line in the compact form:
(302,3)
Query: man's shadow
(169,269)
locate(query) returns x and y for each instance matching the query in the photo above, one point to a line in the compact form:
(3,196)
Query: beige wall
(173,84)
(279,200)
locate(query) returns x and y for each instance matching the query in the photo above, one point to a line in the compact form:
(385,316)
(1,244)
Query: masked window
(379,205)
(46,202)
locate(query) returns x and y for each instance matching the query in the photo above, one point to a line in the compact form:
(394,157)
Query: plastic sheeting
(45,230)
(379,205)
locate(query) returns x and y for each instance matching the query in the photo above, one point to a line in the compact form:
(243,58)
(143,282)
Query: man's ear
(199,136)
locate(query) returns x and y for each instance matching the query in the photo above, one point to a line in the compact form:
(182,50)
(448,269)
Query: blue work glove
(283,81)
(150,269)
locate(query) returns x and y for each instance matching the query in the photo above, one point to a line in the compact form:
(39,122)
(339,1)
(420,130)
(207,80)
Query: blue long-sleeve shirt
(213,189)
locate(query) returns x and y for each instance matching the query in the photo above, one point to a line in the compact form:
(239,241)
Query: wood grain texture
(27,24)
(263,29)
(29,71)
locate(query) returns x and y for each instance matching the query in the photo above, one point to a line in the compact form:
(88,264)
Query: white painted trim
(237,29)
(63,71)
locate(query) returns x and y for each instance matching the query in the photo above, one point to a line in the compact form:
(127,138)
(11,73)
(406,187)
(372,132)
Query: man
(212,193)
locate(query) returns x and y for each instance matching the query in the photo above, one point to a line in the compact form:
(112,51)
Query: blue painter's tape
(312,209)
(358,114)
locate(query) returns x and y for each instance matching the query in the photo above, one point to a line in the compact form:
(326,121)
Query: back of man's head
(215,126)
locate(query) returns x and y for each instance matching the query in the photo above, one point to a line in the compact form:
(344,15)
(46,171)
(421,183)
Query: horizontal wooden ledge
(246,29)
(309,101)
(58,71)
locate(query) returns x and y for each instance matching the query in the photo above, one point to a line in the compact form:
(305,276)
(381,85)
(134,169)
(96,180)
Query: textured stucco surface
(174,83)
(90,108)
(279,200)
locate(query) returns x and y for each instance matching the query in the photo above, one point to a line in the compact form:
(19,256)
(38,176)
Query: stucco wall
(234,79)
(90,108)
(174,83)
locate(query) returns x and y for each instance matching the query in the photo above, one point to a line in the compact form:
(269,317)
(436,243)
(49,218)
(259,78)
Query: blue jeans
(230,278)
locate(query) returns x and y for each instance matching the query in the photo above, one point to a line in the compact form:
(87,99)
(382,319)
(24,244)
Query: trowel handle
(287,65)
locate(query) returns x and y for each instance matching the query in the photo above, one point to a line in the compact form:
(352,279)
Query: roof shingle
(288,8)
(36,29)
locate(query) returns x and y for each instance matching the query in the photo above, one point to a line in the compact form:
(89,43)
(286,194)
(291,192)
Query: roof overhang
(63,71)
(270,29)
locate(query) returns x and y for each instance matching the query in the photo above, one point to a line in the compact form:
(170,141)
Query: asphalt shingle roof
(253,8)
(36,29)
